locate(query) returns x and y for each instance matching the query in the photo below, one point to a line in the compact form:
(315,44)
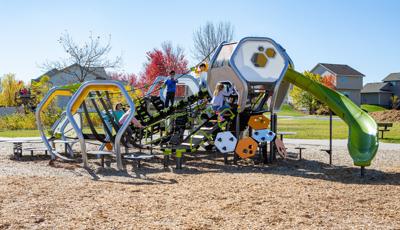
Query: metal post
(235,158)
(272,144)
(330,137)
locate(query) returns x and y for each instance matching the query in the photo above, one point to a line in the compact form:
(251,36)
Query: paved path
(336,143)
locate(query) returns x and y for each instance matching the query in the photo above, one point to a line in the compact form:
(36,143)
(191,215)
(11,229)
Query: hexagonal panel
(258,122)
(263,135)
(246,54)
(225,142)
(270,52)
(259,60)
(246,147)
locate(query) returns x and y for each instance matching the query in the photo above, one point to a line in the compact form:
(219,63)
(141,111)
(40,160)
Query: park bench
(384,127)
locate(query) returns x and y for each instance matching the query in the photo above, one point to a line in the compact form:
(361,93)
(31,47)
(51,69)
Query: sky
(361,33)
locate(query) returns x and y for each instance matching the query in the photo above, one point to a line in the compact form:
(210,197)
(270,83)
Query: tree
(161,61)
(395,102)
(304,99)
(88,56)
(206,38)
(329,81)
(10,87)
(40,88)
(129,78)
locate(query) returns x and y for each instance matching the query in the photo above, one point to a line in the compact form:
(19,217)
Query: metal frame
(281,52)
(53,92)
(83,91)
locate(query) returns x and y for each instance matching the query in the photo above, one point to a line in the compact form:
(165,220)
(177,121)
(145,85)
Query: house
(348,81)
(380,93)
(69,75)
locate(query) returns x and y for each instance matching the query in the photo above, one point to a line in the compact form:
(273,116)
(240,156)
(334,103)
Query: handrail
(79,97)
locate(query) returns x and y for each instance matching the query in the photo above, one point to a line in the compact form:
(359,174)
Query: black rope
(91,125)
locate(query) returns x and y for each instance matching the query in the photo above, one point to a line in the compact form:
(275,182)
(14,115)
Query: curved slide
(363,130)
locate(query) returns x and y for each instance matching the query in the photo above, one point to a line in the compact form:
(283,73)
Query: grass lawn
(319,129)
(305,129)
(19,133)
(372,108)
(288,110)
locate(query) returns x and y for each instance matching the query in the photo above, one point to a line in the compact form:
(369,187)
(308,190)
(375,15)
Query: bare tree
(209,36)
(88,56)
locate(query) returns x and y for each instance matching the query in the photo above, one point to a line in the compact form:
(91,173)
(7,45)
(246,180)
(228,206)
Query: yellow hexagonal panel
(259,60)
(258,122)
(270,52)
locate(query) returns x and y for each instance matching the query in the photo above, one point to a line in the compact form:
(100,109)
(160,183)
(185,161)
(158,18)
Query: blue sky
(361,33)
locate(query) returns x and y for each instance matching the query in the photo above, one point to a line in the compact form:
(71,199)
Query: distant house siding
(370,98)
(381,99)
(353,94)
(395,88)
(349,82)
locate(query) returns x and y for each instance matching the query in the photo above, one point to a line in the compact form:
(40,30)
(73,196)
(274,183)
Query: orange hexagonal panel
(258,122)
(270,52)
(246,148)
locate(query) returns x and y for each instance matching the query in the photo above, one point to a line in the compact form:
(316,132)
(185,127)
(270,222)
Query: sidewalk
(336,143)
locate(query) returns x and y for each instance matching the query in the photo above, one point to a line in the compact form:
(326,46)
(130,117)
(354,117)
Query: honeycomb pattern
(260,59)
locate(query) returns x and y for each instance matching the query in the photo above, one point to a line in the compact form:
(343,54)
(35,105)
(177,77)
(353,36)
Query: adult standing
(170,83)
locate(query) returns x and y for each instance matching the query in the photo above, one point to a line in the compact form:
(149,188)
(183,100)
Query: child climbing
(129,133)
(218,100)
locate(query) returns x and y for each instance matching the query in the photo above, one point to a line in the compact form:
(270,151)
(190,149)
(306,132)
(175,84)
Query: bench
(33,149)
(138,158)
(300,151)
(385,126)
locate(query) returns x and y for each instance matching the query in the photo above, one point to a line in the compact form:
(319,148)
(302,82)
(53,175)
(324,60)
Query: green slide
(363,131)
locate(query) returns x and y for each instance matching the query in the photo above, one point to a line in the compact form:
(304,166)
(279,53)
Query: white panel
(268,73)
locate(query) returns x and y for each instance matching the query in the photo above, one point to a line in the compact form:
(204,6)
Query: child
(118,112)
(218,100)
(129,133)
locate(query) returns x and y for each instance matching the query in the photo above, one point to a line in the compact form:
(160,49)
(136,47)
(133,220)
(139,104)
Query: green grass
(372,108)
(20,133)
(304,128)
(319,129)
(288,110)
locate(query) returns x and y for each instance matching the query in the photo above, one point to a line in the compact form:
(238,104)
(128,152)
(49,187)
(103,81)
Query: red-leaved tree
(129,78)
(329,81)
(160,62)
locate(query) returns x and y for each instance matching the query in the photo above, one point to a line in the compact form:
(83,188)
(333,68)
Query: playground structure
(257,69)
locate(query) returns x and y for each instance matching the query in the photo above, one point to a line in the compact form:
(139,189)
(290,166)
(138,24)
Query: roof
(340,69)
(375,87)
(99,72)
(392,77)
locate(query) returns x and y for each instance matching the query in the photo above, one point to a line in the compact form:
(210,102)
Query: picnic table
(17,146)
(281,134)
(385,126)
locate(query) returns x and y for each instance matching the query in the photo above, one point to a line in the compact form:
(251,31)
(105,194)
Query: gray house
(380,93)
(348,81)
(67,76)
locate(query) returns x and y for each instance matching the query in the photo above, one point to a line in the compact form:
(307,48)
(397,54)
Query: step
(100,152)
(65,141)
(35,149)
(138,157)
